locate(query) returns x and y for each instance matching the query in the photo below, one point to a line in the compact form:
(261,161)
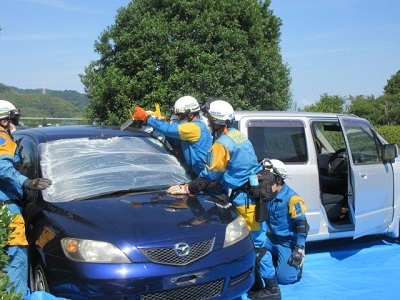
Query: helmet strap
(181,117)
(6,127)
(218,129)
(189,116)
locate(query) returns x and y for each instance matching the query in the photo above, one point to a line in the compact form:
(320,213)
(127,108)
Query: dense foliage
(158,51)
(5,220)
(390,133)
(393,85)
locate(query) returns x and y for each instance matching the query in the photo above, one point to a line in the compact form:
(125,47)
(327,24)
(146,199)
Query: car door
(370,180)
(28,152)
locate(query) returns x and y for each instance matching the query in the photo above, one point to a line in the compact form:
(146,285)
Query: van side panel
(288,139)
(306,142)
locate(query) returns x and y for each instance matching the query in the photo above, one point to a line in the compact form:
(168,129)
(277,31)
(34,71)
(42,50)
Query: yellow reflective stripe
(297,206)
(9,146)
(17,236)
(189,132)
(218,158)
(248,212)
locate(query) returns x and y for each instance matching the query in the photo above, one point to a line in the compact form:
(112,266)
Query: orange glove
(140,114)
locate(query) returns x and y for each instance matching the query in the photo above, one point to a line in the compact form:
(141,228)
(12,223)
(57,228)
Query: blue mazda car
(106,229)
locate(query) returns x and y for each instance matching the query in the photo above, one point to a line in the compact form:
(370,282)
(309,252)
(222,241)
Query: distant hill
(51,104)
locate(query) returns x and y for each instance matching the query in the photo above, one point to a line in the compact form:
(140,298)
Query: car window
(279,139)
(27,154)
(82,168)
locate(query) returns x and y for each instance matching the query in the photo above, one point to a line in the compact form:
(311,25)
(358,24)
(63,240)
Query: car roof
(51,133)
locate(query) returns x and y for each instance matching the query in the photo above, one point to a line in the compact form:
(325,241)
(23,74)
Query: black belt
(243,188)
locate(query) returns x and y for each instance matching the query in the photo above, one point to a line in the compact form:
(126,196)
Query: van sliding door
(370,180)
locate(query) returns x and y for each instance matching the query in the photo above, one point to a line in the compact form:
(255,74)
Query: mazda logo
(181,249)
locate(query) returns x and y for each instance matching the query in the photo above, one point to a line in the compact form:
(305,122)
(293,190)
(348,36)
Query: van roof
(249,113)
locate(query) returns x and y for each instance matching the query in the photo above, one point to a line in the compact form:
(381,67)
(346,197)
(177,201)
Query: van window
(363,142)
(328,136)
(280,139)
(363,146)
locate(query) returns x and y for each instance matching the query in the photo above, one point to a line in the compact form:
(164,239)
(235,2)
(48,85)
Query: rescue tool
(156,113)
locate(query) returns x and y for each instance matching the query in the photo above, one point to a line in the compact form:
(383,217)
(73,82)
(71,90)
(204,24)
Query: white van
(346,172)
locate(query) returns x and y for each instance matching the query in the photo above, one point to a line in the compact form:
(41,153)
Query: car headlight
(92,251)
(236,231)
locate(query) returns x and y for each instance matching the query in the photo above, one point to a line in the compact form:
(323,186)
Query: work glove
(37,184)
(180,189)
(297,257)
(140,114)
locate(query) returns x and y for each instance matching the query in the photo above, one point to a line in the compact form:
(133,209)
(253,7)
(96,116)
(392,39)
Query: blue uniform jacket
(11,180)
(283,212)
(195,139)
(230,160)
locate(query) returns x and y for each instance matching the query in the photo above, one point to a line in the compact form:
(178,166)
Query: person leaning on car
(230,161)
(12,183)
(194,136)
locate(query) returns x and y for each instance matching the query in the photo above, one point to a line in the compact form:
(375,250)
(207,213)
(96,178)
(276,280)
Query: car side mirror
(389,152)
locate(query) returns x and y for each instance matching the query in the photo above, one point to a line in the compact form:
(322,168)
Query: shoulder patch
(2,141)
(297,206)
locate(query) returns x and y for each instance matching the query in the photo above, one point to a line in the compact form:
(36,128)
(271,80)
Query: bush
(390,133)
(5,230)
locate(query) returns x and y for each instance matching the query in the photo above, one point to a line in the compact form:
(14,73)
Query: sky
(338,47)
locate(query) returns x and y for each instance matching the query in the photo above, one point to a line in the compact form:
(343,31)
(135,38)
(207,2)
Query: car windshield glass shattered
(83,168)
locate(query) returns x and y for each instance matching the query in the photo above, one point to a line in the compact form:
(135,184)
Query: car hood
(145,219)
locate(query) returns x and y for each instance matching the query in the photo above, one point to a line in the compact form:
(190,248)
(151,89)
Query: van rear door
(370,180)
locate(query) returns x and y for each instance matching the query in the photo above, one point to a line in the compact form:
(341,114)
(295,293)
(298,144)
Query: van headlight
(236,231)
(93,251)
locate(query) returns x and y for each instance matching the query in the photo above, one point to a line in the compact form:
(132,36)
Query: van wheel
(38,281)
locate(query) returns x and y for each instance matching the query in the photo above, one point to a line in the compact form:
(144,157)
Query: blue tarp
(367,268)
(42,296)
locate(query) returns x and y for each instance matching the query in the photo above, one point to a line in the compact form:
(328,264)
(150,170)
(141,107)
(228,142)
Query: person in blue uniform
(12,183)
(230,161)
(287,227)
(192,132)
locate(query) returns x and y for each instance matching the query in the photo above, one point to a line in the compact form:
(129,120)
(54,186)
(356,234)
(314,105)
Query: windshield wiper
(148,190)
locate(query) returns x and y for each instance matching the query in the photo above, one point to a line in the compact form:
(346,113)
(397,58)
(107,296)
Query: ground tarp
(367,268)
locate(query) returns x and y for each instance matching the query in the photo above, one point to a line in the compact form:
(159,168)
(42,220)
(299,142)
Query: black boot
(270,292)
(258,283)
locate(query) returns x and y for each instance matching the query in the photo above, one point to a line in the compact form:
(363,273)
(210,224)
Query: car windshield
(83,168)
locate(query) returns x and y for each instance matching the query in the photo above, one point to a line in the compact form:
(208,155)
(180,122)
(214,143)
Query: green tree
(389,109)
(158,51)
(327,103)
(365,107)
(384,110)
(393,85)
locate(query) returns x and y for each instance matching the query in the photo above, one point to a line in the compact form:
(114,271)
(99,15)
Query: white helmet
(8,111)
(186,104)
(219,112)
(277,167)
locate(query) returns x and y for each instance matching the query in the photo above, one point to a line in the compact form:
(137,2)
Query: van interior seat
(333,204)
